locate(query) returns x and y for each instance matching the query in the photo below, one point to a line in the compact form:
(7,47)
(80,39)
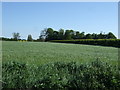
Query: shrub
(102,42)
(14,75)
(62,75)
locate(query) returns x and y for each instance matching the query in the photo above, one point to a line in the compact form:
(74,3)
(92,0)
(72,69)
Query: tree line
(49,34)
(16,37)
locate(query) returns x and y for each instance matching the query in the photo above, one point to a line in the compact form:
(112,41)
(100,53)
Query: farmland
(44,52)
(59,65)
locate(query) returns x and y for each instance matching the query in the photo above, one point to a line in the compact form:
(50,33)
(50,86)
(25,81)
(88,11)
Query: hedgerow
(102,42)
(96,75)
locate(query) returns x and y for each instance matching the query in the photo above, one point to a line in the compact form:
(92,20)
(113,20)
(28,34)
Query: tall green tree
(100,36)
(110,35)
(88,36)
(72,33)
(29,38)
(49,34)
(67,35)
(55,35)
(16,36)
(77,35)
(42,36)
(61,34)
(82,35)
(94,36)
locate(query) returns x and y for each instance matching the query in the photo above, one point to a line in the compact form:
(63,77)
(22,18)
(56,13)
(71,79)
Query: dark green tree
(16,36)
(88,36)
(61,34)
(94,36)
(41,38)
(110,35)
(49,34)
(42,35)
(67,35)
(100,36)
(29,38)
(82,35)
(77,35)
(55,35)
(72,34)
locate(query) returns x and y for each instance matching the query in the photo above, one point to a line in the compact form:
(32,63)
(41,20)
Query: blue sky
(32,17)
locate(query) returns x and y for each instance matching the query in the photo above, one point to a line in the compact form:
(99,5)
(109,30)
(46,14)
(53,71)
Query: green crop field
(44,52)
(59,66)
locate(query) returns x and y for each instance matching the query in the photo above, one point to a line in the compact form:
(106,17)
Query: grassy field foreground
(59,66)
(44,52)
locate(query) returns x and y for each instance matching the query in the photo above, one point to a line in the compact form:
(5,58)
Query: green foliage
(61,75)
(8,39)
(103,42)
(68,35)
(61,34)
(14,75)
(44,52)
(56,65)
(16,36)
(50,34)
(88,36)
(111,36)
(29,38)
(55,35)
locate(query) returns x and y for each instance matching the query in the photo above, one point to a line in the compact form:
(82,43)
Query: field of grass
(45,52)
(57,66)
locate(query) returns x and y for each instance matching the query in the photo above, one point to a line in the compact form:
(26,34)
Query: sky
(32,17)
